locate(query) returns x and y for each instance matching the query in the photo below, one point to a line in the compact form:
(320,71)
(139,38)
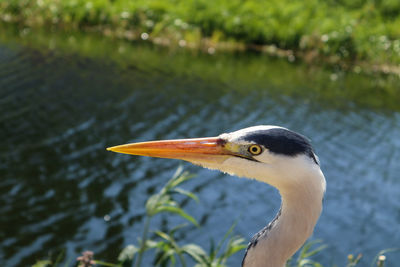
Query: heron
(274,155)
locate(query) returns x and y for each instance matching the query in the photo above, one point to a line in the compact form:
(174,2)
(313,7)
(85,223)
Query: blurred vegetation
(334,30)
(163,248)
(166,249)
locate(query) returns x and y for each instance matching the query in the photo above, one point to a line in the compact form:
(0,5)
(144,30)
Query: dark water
(65,98)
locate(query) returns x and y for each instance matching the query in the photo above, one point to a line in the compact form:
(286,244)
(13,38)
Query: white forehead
(242,132)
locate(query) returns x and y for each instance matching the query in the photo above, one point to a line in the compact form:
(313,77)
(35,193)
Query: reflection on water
(65,98)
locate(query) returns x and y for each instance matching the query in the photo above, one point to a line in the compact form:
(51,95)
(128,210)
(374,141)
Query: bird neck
(294,223)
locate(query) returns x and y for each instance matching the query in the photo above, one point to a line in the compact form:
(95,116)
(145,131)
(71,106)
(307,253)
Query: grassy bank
(338,31)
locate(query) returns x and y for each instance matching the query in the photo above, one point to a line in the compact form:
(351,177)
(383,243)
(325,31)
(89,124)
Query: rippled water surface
(65,98)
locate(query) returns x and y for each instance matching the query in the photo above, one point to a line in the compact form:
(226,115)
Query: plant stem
(181,258)
(143,242)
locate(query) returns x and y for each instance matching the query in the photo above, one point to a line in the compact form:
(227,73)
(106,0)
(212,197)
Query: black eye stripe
(281,141)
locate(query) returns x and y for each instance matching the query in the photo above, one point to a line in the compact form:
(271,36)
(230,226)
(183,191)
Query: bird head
(271,154)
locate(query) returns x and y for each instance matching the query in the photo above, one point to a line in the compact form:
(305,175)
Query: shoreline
(312,57)
(350,45)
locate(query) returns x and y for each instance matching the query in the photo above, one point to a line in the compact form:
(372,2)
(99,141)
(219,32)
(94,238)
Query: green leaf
(152,244)
(315,251)
(213,252)
(179,212)
(155,201)
(166,254)
(196,252)
(304,262)
(128,253)
(165,236)
(175,181)
(107,264)
(152,203)
(305,252)
(178,172)
(186,193)
(226,236)
(235,245)
(42,263)
(176,228)
(170,202)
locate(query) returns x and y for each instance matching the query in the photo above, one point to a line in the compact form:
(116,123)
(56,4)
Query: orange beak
(197,150)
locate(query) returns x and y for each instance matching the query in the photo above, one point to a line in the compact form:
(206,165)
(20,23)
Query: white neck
(300,210)
(301,184)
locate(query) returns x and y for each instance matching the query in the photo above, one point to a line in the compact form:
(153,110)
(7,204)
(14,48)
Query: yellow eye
(255,149)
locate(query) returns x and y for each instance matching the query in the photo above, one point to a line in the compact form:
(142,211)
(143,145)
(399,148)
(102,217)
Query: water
(65,98)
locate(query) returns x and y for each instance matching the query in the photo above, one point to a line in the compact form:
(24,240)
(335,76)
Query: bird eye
(255,149)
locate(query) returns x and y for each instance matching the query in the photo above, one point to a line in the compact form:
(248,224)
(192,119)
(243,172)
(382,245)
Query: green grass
(340,31)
